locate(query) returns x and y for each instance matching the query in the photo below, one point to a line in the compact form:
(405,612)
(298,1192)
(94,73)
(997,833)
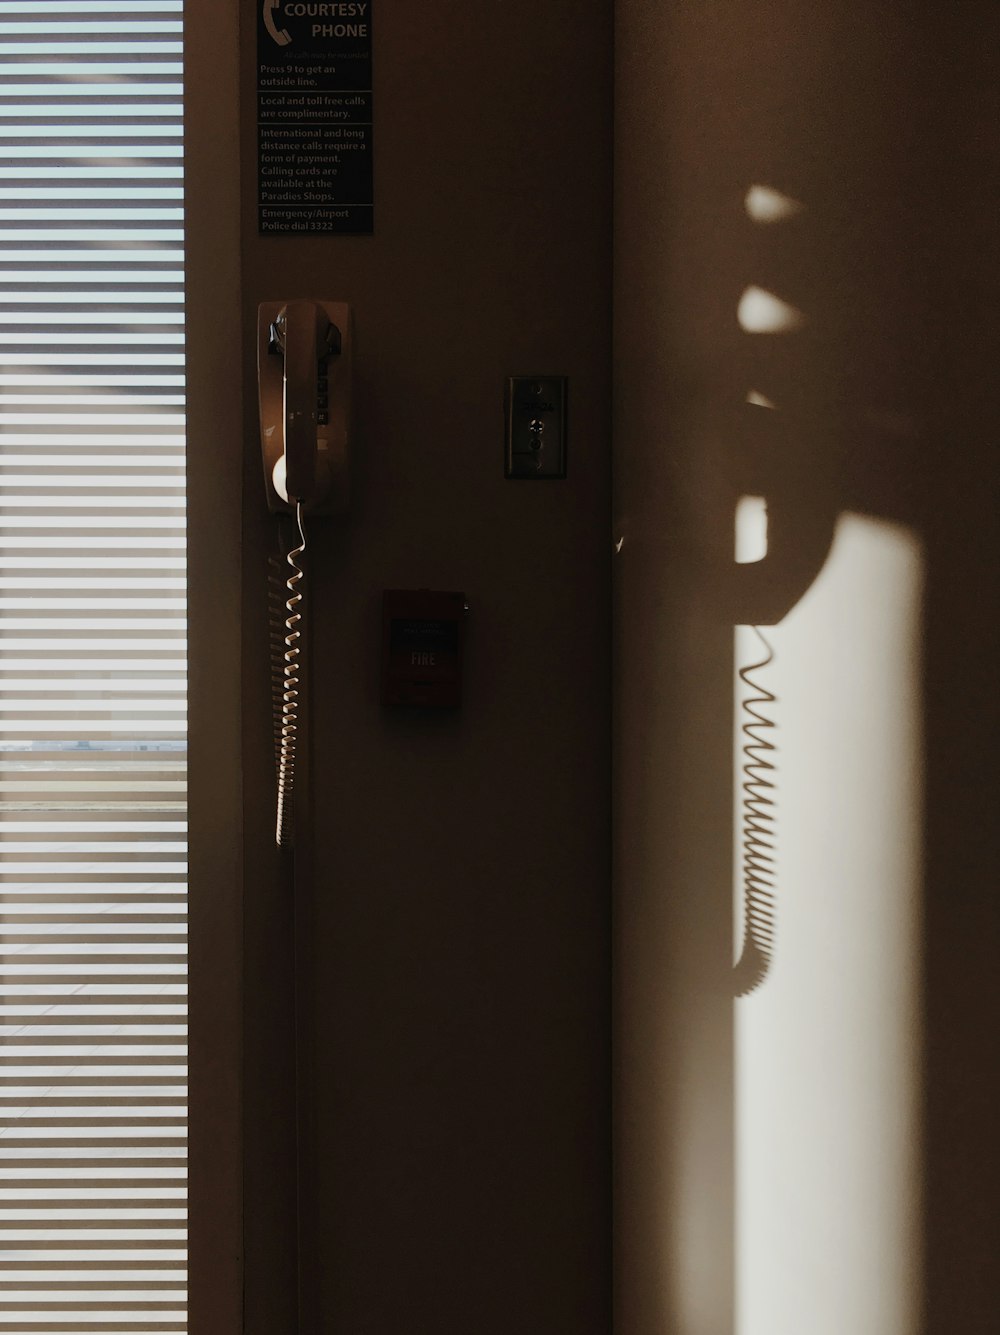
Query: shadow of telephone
(304,384)
(802,512)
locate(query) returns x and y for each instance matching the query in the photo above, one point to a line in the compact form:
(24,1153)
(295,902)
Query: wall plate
(535,416)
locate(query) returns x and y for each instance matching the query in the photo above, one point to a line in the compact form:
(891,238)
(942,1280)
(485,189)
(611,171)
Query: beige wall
(882,123)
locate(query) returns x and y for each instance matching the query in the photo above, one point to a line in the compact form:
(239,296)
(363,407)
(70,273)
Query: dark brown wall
(458,1165)
(458,964)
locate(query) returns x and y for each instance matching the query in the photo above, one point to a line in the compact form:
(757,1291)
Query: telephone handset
(304,381)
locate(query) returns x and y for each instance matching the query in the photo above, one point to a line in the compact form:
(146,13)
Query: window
(92,668)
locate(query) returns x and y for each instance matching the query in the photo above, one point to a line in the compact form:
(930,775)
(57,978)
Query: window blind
(92,669)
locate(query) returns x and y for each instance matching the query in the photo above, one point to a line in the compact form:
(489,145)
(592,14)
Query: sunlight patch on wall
(764,204)
(827,1050)
(751,529)
(761,312)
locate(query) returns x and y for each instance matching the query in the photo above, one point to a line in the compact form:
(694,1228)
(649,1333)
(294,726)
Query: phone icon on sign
(279,35)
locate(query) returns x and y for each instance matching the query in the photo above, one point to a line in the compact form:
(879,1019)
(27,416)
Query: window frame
(214,355)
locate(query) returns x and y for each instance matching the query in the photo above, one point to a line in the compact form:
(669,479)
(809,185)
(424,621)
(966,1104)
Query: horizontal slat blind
(92,669)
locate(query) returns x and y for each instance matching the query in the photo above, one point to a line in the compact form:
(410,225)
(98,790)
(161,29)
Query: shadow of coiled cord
(757,829)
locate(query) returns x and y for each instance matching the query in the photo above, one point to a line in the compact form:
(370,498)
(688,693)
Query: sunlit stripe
(90,7)
(92,152)
(95,339)
(44,444)
(129,238)
(107,378)
(57,48)
(98,461)
(92,276)
(74,300)
(25,112)
(88,90)
(92,359)
(66,70)
(828,1051)
(89,581)
(103,479)
(100,317)
(43,29)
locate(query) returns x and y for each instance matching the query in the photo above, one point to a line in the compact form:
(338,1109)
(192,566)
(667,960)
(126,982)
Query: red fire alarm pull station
(422,648)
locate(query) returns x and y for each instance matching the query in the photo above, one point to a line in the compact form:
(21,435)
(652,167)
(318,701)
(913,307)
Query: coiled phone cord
(757,826)
(291,677)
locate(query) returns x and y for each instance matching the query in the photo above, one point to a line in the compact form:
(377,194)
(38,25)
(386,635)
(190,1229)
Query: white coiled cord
(291,679)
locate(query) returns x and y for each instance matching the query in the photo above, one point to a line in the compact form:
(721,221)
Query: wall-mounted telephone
(304,381)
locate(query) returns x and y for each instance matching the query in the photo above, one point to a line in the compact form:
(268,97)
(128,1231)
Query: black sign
(314,116)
